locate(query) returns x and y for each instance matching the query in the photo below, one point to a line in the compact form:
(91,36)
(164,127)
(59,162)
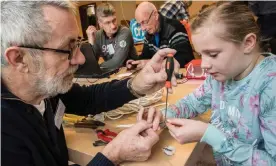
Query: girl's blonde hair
(236,16)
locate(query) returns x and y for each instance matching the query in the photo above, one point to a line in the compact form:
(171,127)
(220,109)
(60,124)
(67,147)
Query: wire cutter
(106,135)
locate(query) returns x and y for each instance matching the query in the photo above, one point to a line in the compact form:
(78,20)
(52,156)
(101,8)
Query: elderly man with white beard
(39,54)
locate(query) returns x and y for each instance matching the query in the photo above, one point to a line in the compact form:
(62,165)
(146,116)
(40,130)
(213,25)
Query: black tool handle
(169,70)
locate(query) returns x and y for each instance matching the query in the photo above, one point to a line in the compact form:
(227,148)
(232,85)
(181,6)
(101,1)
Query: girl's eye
(213,55)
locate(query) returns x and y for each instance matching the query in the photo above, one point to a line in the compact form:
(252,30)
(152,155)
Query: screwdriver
(169,70)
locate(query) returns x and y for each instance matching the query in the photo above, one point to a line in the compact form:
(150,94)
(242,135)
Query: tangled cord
(131,107)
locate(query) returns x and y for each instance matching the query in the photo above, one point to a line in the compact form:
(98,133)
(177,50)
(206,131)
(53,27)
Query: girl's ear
(249,43)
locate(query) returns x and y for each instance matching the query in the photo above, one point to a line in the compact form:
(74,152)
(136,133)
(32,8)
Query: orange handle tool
(169,71)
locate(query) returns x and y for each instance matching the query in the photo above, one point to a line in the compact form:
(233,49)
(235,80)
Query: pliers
(104,135)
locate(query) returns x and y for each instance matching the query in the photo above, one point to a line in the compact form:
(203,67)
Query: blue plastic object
(137,33)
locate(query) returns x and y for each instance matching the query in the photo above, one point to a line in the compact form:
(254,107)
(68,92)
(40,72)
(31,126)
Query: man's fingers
(152,136)
(128,64)
(161,54)
(129,61)
(140,114)
(136,62)
(143,133)
(91,27)
(170,90)
(139,66)
(174,81)
(156,120)
(177,122)
(151,113)
(140,126)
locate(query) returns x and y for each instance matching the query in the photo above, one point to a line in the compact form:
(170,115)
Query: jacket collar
(162,20)
(5,93)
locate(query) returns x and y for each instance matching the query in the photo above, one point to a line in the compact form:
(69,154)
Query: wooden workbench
(81,150)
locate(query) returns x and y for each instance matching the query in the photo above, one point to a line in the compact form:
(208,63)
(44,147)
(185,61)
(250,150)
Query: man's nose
(143,27)
(78,58)
(113,26)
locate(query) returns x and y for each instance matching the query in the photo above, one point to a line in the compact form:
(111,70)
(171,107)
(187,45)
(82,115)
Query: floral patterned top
(242,130)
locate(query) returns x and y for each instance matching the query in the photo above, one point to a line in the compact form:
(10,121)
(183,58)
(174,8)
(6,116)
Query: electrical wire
(92,82)
(132,107)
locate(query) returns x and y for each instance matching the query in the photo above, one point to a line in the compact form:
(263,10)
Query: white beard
(52,86)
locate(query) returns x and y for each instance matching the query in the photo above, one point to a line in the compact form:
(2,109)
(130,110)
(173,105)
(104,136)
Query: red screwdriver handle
(169,70)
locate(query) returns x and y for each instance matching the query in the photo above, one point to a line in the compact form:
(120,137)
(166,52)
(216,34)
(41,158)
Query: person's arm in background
(234,151)
(94,38)
(180,42)
(193,104)
(146,53)
(142,59)
(124,44)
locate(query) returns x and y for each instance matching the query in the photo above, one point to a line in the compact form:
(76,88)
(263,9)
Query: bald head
(147,16)
(145,8)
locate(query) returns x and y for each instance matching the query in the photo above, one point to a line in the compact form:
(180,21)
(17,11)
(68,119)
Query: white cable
(133,106)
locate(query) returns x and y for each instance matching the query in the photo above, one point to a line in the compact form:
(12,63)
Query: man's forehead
(108,18)
(142,16)
(62,22)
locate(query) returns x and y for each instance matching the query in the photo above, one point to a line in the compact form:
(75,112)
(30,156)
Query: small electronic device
(194,70)
(178,75)
(91,68)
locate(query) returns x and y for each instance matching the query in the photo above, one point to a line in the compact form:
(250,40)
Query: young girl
(240,90)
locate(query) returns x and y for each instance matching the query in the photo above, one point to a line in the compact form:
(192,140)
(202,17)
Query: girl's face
(222,59)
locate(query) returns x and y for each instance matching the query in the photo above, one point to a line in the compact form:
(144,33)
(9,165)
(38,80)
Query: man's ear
(99,22)
(249,42)
(156,15)
(15,58)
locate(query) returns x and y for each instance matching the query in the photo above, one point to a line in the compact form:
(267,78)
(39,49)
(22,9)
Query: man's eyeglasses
(147,22)
(71,52)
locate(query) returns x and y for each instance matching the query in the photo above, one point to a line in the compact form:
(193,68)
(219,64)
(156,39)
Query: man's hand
(152,116)
(139,64)
(91,34)
(133,144)
(153,76)
(176,65)
(129,65)
(186,130)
